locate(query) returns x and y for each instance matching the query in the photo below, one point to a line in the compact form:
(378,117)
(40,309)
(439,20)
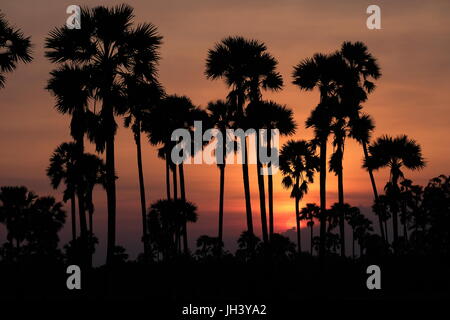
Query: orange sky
(412,96)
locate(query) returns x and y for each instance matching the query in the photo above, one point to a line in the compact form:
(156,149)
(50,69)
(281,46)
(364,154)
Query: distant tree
(248,245)
(309,213)
(166,220)
(31,222)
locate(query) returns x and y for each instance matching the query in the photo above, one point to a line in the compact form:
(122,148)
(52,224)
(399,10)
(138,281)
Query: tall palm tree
(70,86)
(309,213)
(143,91)
(324,73)
(62,169)
(298,164)
(171,113)
(246,67)
(14,48)
(365,68)
(395,153)
(268,115)
(222,116)
(105,45)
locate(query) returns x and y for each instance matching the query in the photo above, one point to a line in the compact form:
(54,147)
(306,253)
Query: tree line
(107,71)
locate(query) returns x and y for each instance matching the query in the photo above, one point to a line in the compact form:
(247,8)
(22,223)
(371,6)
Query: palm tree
(14,209)
(323,72)
(69,85)
(62,169)
(14,48)
(246,67)
(166,219)
(143,91)
(309,213)
(298,164)
(106,46)
(171,113)
(221,117)
(93,173)
(395,153)
(268,115)
(365,68)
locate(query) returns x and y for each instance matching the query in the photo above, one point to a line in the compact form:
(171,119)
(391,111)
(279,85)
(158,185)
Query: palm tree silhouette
(143,91)
(222,117)
(166,219)
(395,153)
(323,72)
(366,69)
(106,46)
(14,47)
(62,169)
(298,164)
(309,213)
(246,67)
(15,204)
(68,84)
(171,113)
(269,115)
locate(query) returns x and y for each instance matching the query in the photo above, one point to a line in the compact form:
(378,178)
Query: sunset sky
(412,97)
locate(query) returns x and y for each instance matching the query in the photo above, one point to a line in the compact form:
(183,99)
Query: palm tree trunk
(248,205)
(395,228)
(262,195)
(405,231)
(312,239)
(137,138)
(383,231)
(341,205)
(221,198)
(183,198)
(167,177)
(297,221)
(111,197)
(174,181)
(353,243)
(270,187)
(323,195)
(386,234)
(73,218)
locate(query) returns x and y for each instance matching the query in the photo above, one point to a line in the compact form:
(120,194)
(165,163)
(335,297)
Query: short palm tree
(309,213)
(298,164)
(15,204)
(166,219)
(62,170)
(395,153)
(14,48)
